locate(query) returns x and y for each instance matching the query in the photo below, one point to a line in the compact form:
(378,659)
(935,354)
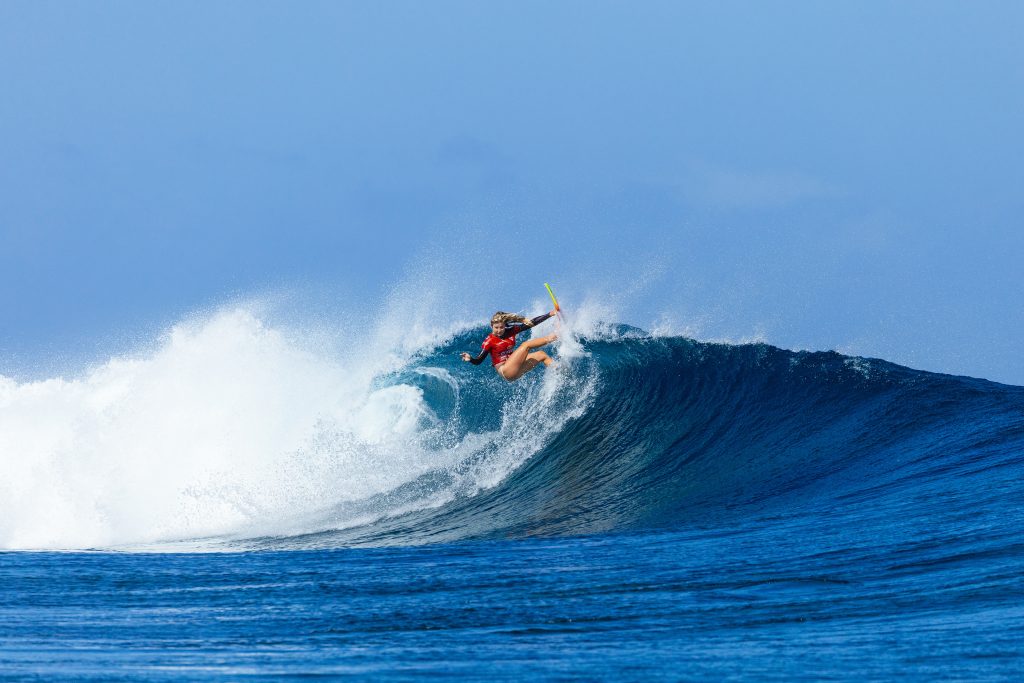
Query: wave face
(231,436)
(670,432)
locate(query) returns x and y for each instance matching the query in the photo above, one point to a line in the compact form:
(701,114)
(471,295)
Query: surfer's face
(497,328)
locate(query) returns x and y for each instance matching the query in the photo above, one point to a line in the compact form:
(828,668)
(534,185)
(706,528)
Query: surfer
(510,362)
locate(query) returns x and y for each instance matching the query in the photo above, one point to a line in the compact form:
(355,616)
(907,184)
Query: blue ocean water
(655,506)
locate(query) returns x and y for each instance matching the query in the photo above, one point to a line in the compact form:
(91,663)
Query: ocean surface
(236,503)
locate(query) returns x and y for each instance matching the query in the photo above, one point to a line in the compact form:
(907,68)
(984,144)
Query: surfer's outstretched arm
(516,329)
(475,360)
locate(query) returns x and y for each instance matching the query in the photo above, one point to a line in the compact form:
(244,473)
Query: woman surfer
(510,362)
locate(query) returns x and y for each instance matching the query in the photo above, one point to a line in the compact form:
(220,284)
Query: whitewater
(310,502)
(231,427)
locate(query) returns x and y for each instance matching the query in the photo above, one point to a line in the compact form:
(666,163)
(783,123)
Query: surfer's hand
(465,356)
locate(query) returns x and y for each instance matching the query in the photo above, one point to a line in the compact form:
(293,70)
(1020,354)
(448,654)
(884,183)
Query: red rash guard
(501,347)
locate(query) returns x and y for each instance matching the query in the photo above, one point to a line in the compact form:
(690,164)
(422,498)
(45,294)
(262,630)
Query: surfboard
(551,293)
(558,309)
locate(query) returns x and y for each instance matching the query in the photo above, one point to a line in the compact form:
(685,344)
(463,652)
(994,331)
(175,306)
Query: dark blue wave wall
(688,434)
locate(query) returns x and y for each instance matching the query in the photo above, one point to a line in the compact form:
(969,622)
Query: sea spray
(230,427)
(200,437)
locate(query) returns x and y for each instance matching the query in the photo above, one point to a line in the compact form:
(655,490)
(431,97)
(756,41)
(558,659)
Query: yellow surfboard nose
(552,295)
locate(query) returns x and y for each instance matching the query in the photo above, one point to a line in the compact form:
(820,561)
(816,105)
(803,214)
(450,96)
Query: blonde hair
(506,318)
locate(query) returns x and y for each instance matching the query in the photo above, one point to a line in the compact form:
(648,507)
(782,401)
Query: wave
(675,432)
(234,434)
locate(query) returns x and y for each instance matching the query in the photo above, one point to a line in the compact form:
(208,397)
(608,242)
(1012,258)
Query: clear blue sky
(823,175)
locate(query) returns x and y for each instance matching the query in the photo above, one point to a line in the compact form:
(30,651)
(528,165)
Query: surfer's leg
(533,360)
(538,357)
(522,361)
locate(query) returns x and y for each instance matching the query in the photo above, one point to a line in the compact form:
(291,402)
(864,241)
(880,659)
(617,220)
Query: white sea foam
(225,424)
(230,428)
